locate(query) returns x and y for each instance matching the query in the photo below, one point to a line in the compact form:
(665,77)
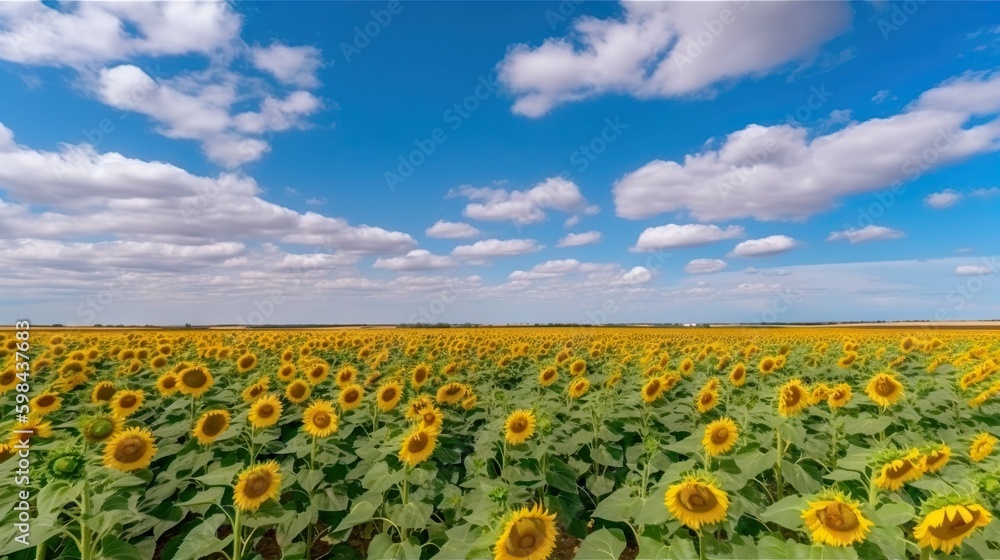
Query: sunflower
(470,402)
(101,428)
(420,375)
(36,426)
(388,395)
(767,365)
(820,393)
(265,412)
(720,436)
(793,398)
(579,387)
(195,381)
(346,375)
(126,402)
(706,400)
(211,425)
(900,470)
(167,384)
(839,395)
(130,450)
(431,418)
(653,389)
(417,446)
(416,405)
(319,419)
(520,426)
(578,367)
(6,452)
(982,446)
(102,392)
(529,535)
(45,403)
(450,393)
(246,362)
(256,485)
(256,390)
(297,391)
(350,397)
(318,372)
(835,520)
(946,527)
(935,459)
(286,372)
(548,376)
(696,501)
(884,389)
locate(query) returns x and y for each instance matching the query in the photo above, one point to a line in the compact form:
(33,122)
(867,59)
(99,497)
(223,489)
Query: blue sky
(499,162)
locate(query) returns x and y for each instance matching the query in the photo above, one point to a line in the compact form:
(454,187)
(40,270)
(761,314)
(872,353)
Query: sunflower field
(503,443)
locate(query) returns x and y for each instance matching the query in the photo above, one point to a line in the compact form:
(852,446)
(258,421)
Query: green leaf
(560,475)
(211,496)
(866,424)
(856,459)
(801,480)
(787,512)
(653,510)
(201,541)
(842,475)
(602,544)
(413,515)
(621,505)
(652,549)
(221,476)
(682,548)
(112,548)
(895,513)
(890,540)
(360,513)
(752,463)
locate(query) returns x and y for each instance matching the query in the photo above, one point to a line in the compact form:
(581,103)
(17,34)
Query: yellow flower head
(835,520)
(195,381)
(319,419)
(130,450)
(211,425)
(982,446)
(417,446)
(388,395)
(351,396)
(529,535)
(720,436)
(126,402)
(520,426)
(579,387)
(256,485)
(548,376)
(297,391)
(793,398)
(884,389)
(265,412)
(696,501)
(839,395)
(706,400)
(900,470)
(946,527)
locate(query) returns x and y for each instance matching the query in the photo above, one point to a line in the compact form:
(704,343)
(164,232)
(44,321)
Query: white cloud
(523,207)
(417,259)
(496,248)
(785,172)
(974,270)
(451,230)
(578,239)
(89,33)
(867,233)
(764,247)
(638,275)
(667,49)
(705,266)
(686,235)
(986,193)
(943,199)
(201,109)
(290,65)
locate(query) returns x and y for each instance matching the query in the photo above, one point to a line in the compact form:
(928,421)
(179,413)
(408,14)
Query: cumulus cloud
(417,259)
(451,230)
(668,49)
(764,247)
(291,65)
(489,248)
(578,239)
(705,266)
(786,172)
(974,270)
(523,206)
(686,235)
(943,199)
(867,233)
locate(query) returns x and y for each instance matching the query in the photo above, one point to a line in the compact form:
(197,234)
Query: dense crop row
(507,443)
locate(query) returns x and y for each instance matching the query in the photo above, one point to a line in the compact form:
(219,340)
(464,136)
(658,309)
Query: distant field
(504,443)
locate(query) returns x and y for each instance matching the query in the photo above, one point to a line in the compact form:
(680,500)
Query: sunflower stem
(701,545)
(237,533)
(309,528)
(40,551)
(872,491)
(925,553)
(192,414)
(834,438)
(779,483)
(85,536)
(406,495)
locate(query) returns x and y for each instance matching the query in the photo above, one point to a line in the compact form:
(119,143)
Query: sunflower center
(388,394)
(956,527)
(838,395)
(899,471)
(321,420)
(706,398)
(791,396)
(265,410)
(130,450)
(246,362)
(885,387)
(526,541)
(548,375)
(417,443)
(298,391)
(169,382)
(720,435)
(698,498)
(258,485)
(213,425)
(46,400)
(839,517)
(316,373)
(351,396)
(519,425)
(429,418)
(652,388)
(526,536)
(101,428)
(194,378)
(128,401)
(7,378)
(452,391)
